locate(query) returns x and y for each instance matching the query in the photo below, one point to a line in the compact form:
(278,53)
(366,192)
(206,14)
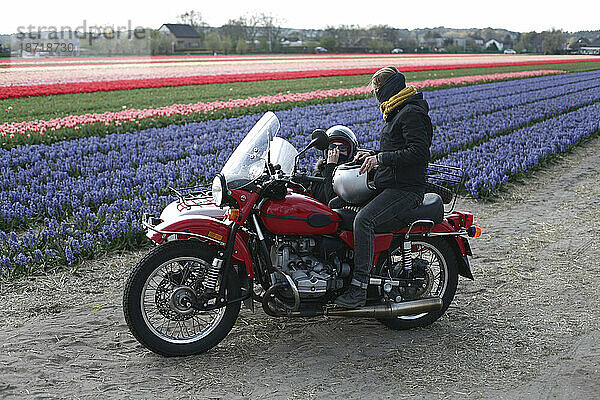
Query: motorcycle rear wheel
(152,304)
(437,252)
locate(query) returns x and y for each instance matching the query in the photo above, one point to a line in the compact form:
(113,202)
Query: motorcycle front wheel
(156,300)
(440,272)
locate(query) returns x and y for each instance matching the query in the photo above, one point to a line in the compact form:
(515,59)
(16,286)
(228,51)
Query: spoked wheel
(435,264)
(157,300)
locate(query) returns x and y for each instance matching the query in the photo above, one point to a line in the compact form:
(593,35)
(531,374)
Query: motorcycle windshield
(283,153)
(249,159)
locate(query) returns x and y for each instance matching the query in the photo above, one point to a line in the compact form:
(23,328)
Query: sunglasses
(340,147)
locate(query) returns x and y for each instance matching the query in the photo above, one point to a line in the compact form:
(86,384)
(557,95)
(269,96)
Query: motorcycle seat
(432,208)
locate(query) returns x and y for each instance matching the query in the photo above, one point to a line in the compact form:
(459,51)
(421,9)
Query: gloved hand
(360,155)
(333,156)
(368,164)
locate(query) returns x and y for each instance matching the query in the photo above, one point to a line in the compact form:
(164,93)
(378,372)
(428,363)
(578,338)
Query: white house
(499,45)
(592,49)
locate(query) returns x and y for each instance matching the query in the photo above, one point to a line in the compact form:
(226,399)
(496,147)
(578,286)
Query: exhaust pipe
(391,310)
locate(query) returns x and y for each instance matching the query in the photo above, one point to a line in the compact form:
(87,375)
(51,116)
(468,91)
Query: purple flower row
(456,135)
(494,162)
(465,110)
(452,96)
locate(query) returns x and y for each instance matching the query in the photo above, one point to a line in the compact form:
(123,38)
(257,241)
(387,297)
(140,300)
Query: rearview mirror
(320,139)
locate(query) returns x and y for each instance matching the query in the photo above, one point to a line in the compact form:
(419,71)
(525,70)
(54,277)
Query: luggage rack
(447,181)
(193,196)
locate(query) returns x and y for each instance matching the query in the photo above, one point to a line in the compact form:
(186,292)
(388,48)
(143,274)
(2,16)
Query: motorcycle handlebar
(308,178)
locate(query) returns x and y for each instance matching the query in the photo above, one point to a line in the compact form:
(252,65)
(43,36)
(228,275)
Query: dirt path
(527,327)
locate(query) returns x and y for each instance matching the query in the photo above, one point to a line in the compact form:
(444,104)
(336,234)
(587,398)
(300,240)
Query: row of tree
(263,33)
(547,42)
(254,33)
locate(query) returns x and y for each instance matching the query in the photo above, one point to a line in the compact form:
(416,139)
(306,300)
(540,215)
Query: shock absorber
(406,256)
(217,265)
(213,274)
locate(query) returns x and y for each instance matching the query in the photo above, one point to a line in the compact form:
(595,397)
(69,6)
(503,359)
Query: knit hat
(392,85)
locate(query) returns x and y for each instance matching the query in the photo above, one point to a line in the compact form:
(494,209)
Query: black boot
(354,297)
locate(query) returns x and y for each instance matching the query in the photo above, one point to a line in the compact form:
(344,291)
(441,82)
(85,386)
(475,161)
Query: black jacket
(404,147)
(323,191)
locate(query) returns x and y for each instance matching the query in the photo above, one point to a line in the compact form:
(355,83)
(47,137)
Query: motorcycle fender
(462,250)
(464,267)
(206,229)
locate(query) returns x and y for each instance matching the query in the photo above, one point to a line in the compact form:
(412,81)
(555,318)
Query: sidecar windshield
(249,159)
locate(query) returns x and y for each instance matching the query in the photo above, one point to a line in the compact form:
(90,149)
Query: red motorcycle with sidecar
(258,236)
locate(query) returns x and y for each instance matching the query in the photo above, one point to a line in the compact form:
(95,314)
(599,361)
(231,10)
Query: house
(291,42)
(583,46)
(477,39)
(460,42)
(581,42)
(490,42)
(183,36)
(433,42)
(591,49)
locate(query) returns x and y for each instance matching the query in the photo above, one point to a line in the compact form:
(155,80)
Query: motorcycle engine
(313,269)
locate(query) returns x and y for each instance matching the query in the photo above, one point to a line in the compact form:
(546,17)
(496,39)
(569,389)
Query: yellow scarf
(396,100)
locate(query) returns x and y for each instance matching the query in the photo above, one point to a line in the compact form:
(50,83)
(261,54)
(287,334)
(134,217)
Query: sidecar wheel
(155,312)
(443,267)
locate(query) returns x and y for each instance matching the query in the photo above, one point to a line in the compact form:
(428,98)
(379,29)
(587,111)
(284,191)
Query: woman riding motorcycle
(342,148)
(402,158)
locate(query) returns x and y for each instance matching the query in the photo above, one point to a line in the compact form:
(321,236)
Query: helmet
(344,134)
(351,186)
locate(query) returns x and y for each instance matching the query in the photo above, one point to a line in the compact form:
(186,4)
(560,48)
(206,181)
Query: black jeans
(387,207)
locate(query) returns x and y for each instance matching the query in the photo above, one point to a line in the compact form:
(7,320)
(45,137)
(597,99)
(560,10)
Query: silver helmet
(350,186)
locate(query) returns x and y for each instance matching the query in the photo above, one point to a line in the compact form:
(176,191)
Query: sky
(514,15)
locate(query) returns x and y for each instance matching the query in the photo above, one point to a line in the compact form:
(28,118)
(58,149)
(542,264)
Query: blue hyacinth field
(72,200)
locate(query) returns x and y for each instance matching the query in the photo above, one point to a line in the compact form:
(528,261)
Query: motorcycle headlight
(218,189)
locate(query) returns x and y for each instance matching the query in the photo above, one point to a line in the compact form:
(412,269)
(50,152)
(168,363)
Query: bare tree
(384,32)
(193,18)
(252,28)
(271,30)
(346,36)
(235,29)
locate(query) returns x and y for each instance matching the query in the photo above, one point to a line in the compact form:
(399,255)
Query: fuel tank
(298,214)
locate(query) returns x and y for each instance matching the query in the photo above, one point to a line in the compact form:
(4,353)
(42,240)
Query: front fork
(220,263)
